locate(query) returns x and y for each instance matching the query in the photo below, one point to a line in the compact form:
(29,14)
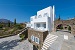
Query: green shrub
(69,28)
(29,40)
(37,46)
(18,26)
(22,36)
(13,31)
(6,29)
(1,26)
(8,23)
(61,27)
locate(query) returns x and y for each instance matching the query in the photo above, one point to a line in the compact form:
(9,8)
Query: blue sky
(22,10)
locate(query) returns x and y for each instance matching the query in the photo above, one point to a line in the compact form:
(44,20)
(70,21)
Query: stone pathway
(13,43)
(63,44)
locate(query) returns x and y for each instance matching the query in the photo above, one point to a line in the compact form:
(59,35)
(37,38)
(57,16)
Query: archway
(59,27)
(69,28)
(64,28)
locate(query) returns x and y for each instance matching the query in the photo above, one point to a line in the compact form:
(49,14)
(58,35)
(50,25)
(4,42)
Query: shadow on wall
(6,45)
(34,47)
(60,26)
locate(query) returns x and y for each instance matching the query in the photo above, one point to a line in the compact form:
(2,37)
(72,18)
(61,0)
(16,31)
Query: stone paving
(13,43)
(63,44)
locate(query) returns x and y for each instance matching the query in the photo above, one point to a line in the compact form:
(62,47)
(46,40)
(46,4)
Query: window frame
(37,40)
(39,16)
(37,25)
(32,38)
(46,15)
(44,25)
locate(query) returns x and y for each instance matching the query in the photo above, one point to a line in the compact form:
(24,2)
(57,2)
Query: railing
(15,33)
(21,31)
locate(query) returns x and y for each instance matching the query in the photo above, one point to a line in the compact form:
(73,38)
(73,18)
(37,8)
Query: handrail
(24,29)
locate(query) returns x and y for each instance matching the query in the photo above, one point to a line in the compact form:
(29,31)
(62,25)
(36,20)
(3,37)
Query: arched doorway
(59,27)
(69,28)
(64,28)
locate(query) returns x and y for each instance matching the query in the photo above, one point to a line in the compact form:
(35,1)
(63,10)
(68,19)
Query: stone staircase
(48,41)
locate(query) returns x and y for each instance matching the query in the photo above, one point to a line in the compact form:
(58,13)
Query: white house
(44,20)
(28,24)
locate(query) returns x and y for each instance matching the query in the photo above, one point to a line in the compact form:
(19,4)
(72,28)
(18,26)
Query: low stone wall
(7,34)
(73,30)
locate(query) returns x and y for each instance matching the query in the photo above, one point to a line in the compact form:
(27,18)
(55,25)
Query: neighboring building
(23,24)
(28,24)
(40,25)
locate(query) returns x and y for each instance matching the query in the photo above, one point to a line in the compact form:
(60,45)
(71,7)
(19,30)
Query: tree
(22,36)
(59,17)
(14,21)
(8,23)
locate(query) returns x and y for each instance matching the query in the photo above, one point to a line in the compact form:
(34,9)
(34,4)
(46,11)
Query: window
(31,24)
(44,25)
(39,16)
(37,40)
(46,15)
(38,25)
(32,38)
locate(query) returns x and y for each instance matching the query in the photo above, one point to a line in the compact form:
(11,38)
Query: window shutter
(33,38)
(38,40)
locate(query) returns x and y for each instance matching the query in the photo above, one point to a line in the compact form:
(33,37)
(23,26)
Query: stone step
(45,47)
(50,38)
(50,42)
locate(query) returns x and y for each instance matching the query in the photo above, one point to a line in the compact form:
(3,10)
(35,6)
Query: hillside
(5,21)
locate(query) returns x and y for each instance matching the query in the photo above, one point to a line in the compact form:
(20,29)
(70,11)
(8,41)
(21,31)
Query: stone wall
(40,34)
(64,23)
(73,30)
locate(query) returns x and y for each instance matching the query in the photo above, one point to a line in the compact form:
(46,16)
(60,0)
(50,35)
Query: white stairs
(48,41)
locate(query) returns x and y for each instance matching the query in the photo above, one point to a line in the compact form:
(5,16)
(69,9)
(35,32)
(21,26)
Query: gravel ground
(13,43)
